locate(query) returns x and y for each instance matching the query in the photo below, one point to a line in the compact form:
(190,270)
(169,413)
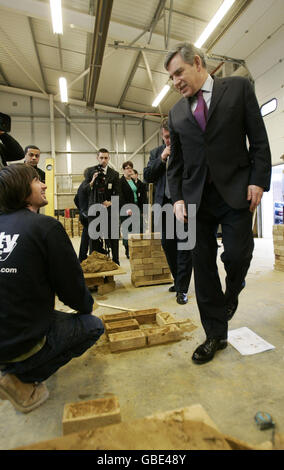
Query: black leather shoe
(182,298)
(172,289)
(206,351)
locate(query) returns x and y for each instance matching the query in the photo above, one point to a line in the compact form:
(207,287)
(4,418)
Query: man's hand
(107,203)
(166,153)
(254,196)
(93,179)
(180,211)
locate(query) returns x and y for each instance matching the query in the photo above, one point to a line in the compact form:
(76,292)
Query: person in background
(32,156)
(220,162)
(179,261)
(130,193)
(100,184)
(82,203)
(37,263)
(10,149)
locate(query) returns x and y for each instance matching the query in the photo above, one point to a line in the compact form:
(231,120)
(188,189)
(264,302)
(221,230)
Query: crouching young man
(37,262)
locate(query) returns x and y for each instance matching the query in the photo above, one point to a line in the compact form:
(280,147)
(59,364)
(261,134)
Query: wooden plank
(90,414)
(127,340)
(162,335)
(118,326)
(115,272)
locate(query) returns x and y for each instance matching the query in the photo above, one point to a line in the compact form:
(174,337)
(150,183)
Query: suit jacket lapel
(185,104)
(218,89)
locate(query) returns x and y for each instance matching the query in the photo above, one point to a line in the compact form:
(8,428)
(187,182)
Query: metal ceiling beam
(156,18)
(164,52)
(88,48)
(103,14)
(151,78)
(169,25)
(130,78)
(4,75)
(99,107)
(37,53)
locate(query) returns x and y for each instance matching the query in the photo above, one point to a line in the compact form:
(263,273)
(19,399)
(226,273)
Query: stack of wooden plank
(148,262)
(278,241)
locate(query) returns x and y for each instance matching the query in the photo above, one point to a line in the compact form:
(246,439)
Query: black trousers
(84,244)
(179,261)
(238,245)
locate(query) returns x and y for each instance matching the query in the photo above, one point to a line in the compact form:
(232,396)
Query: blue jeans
(69,335)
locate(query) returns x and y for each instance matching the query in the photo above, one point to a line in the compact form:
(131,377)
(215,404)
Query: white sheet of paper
(247,342)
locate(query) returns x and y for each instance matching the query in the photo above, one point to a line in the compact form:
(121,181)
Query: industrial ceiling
(112,51)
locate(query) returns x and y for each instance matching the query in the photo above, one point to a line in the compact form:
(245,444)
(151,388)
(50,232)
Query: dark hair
(125,164)
(135,171)
(187,52)
(31,147)
(15,186)
(102,151)
(164,124)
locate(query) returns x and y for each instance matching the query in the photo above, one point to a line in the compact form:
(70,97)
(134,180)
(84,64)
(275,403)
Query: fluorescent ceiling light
(268,107)
(56,16)
(224,8)
(160,96)
(63,89)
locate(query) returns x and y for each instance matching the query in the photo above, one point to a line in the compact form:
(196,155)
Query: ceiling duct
(103,14)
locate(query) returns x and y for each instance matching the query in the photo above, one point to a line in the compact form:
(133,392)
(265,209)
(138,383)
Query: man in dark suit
(212,166)
(100,184)
(179,261)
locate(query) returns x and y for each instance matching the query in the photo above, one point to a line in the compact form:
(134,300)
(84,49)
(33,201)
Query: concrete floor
(231,388)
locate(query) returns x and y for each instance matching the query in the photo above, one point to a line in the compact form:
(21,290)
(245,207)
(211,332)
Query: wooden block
(146,316)
(90,414)
(107,287)
(153,282)
(165,318)
(124,325)
(94,281)
(127,340)
(186,325)
(119,316)
(164,334)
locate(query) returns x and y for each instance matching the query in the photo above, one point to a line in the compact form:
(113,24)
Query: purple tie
(201,111)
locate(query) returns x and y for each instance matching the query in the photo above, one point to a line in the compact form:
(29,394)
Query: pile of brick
(72,225)
(278,241)
(128,330)
(148,262)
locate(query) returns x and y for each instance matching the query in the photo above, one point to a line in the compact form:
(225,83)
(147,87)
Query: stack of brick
(278,241)
(72,225)
(68,224)
(148,262)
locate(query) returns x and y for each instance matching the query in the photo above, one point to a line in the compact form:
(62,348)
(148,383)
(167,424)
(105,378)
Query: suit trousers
(238,245)
(179,261)
(85,240)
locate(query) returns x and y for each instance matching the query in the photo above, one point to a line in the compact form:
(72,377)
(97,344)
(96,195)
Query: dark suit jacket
(111,185)
(233,116)
(155,172)
(126,195)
